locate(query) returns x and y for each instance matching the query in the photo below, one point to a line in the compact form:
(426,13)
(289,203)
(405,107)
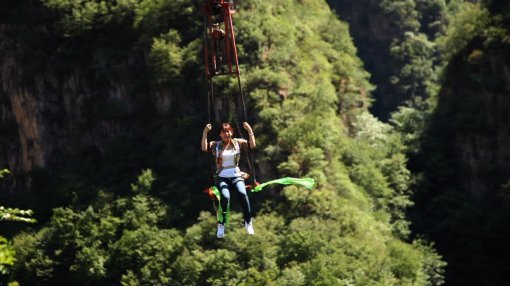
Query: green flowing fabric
(308,183)
(219,210)
(216,192)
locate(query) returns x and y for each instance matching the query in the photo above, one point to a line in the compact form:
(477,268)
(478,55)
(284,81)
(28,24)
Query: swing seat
(251,187)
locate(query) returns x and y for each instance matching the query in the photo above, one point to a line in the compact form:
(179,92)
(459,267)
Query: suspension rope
(207,80)
(248,155)
(232,105)
(209,91)
(211,100)
(242,96)
(250,159)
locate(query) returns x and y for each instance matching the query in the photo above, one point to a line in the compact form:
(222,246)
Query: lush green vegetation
(308,95)
(465,222)
(308,98)
(445,58)
(397,41)
(324,241)
(7,253)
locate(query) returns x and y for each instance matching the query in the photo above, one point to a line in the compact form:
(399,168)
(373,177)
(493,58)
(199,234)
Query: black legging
(224,184)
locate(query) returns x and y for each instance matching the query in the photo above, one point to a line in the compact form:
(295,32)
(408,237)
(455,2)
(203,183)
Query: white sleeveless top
(228,165)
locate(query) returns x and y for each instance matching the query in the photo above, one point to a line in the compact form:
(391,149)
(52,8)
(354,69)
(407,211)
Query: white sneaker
(249,227)
(221,231)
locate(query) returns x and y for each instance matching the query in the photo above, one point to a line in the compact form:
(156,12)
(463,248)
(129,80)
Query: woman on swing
(228,175)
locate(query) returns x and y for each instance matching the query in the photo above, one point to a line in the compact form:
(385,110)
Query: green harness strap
(219,210)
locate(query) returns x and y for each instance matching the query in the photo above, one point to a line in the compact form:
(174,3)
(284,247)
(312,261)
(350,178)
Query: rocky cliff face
(473,104)
(83,96)
(474,107)
(373,32)
(395,41)
(51,107)
(463,205)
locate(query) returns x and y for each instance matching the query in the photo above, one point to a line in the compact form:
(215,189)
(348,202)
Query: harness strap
(228,167)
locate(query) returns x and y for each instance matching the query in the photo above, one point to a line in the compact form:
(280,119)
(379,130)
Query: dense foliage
(120,239)
(7,253)
(397,41)
(465,219)
(308,98)
(447,60)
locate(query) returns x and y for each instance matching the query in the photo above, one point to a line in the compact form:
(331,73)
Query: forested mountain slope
(396,41)
(93,97)
(462,197)
(94,92)
(457,137)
